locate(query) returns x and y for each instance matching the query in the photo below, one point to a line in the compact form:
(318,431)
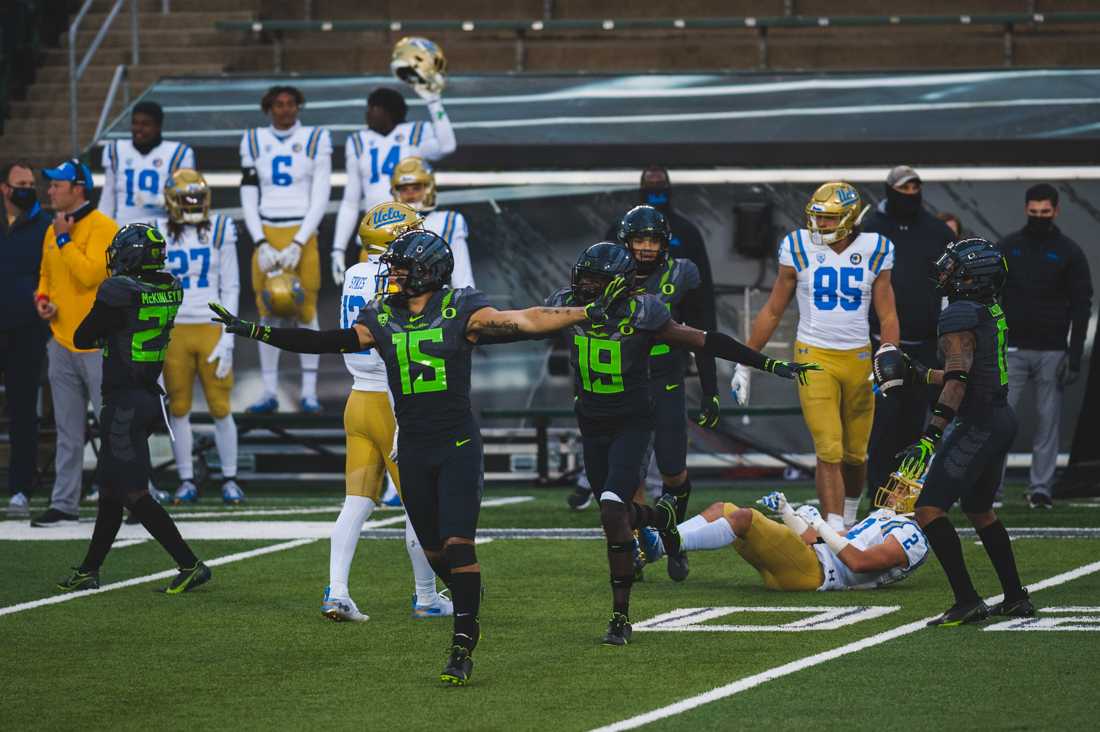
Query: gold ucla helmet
(187,197)
(410,171)
(384,223)
(833,213)
(899,494)
(419,62)
(283,294)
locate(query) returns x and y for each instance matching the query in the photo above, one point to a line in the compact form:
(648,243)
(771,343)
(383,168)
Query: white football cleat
(439,608)
(341,609)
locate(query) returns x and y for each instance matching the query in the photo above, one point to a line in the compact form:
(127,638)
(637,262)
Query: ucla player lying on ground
(884,548)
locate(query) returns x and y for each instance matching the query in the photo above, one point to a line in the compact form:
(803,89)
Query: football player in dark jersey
(968,465)
(425,333)
(133,313)
(678,285)
(611,367)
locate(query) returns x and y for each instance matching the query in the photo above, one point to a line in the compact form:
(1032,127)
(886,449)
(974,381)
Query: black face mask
(658,198)
(24,198)
(902,205)
(1039,226)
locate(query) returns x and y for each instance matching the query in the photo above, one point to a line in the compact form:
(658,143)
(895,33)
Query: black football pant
(22,351)
(967,465)
(441,487)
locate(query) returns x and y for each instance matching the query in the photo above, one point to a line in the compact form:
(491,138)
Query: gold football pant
(369,423)
(837,402)
(783,560)
(189,347)
(308,271)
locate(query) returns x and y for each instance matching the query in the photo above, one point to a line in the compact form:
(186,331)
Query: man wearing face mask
(919,239)
(1047,302)
(22,333)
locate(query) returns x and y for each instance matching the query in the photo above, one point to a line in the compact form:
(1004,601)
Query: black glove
(914,459)
(599,310)
(235,325)
(918,372)
(789,370)
(1069,370)
(710,412)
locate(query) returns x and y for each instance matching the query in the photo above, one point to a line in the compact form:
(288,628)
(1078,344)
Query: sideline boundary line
(216,562)
(786,669)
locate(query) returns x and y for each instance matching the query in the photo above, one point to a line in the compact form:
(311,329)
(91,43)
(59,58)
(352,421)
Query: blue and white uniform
(133,189)
(872,531)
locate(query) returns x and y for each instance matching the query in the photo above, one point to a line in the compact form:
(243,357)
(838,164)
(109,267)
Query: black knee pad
(460,555)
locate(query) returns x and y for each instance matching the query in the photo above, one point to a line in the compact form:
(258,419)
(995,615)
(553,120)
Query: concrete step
(180,7)
(43,109)
(119,36)
(180,53)
(188,20)
(99,76)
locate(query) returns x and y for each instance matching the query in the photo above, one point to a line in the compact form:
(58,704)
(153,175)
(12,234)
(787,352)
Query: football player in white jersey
(202,253)
(372,155)
(285,186)
(137,170)
(838,273)
(886,547)
(372,433)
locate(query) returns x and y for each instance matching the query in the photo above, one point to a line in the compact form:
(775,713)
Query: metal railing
(525,30)
(120,78)
(76,70)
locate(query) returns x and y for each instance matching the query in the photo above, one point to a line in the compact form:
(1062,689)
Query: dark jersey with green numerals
(427,359)
(987,382)
(131,320)
(611,362)
(672,285)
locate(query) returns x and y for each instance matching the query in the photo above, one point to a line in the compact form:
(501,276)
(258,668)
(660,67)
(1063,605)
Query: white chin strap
(193,218)
(823,239)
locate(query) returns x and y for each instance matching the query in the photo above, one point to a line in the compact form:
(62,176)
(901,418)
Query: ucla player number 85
(827,281)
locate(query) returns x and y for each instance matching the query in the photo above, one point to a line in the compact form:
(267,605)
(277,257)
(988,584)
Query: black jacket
(1049,287)
(20,260)
(917,245)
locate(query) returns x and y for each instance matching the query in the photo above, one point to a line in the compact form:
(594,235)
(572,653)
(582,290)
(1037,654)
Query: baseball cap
(901,174)
(71,170)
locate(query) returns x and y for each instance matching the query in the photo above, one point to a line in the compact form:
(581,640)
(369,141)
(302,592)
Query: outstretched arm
(502,326)
(298,340)
(722,346)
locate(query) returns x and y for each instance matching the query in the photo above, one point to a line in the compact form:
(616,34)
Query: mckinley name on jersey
(204,259)
(133,189)
(834,288)
(879,527)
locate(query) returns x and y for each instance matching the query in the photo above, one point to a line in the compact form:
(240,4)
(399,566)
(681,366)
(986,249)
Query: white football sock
(269,368)
(714,535)
(225,437)
(851,510)
(836,521)
(181,446)
(423,574)
(345,537)
(310,363)
(693,523)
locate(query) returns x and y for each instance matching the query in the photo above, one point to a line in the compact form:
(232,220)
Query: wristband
(933,433)
(943,411)
(955,375)
(792,520)
(833,540)
(62,239)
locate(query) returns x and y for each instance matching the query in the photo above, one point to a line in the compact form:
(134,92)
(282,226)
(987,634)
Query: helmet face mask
(833,213)
(898,494)
(588,285)
(645,225)
(187,197)
(384,223)
(597,266)
(970,269)
(416,263)
(413,184)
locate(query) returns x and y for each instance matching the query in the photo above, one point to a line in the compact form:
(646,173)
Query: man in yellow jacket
(74,262)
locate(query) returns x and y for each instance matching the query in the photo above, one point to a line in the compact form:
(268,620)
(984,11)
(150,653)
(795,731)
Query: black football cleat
(459,667)
(618,631)
(961,615)
(1021,607)
(579,499)
(79,580)
(188,579)
(678,567)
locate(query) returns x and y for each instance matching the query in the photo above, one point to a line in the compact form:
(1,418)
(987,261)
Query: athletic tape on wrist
(832,539)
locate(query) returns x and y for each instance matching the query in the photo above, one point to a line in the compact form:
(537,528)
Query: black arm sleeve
(99,323)
(304,340)
(694,312)
(731,349)
(708,374)
(1080,306)
(249,177)
(695,249)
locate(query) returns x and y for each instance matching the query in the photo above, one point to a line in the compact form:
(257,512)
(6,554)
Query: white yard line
(786,669)
(11,609)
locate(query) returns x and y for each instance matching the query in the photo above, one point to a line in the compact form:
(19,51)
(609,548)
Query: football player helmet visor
(187,197)
(834,212)
(414,172)
(597,266)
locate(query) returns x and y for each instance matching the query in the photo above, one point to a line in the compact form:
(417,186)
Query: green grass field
(251,650)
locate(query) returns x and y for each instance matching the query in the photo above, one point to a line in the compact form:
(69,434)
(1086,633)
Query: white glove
(810,515)
(223,354)
(267,257)
(774,502)
(290,256)
(393,447)
(423,92)
(740,384)
(338,266)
